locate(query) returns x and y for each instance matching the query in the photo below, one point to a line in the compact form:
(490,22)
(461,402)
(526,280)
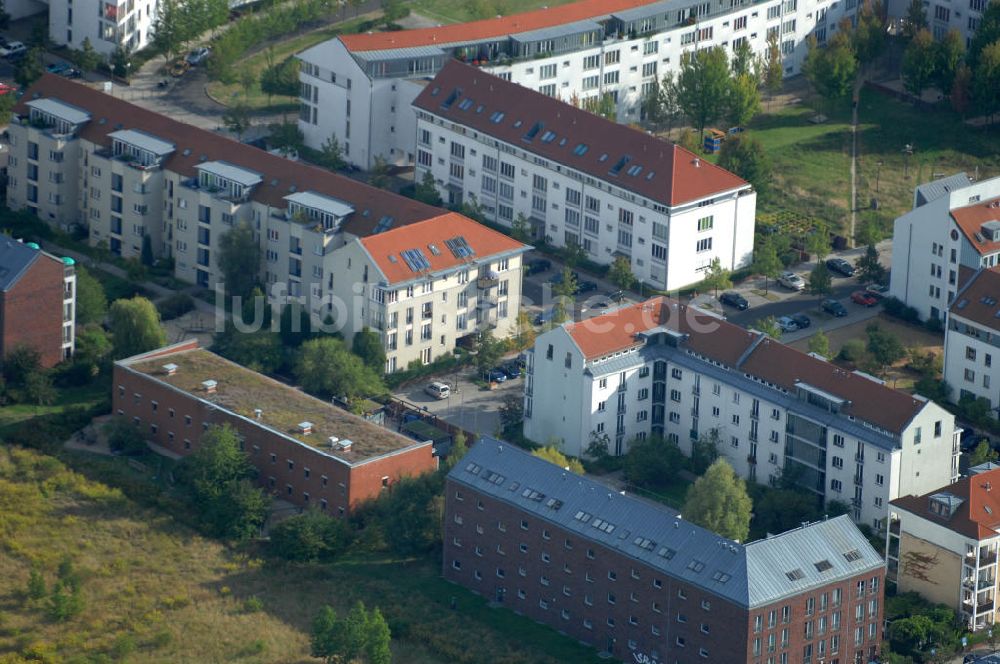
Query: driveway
(470,407)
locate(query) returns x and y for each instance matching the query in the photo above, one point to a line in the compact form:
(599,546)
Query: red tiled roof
(491,27)
(764,358)
(980,300)
(280,176)
(977,517)
(678,176)
(420,235)
(971,218)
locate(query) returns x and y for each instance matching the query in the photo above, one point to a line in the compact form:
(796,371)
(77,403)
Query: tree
(135,327)
(4,16)
(489,351)
(65,602)
(520,228)
(870,270)
(459,449)
(377,639)
(393,10)
(961,90)
(987,33)
(311,536)
(146,253)
(220,476)
(30,69)
(281,79)
(260,351)
(769,326)
(982,454)
(916,19)
(820,281)
(743,101)
(237,119)
(745,156)
(652,105)
(36,585)
(703,86)
(38,388)
(170,31)
(525,336)
(88,58)
(120,63)
(742,62)
(949,56)
(326,635)
(818,242)
(411,513)
(652,463)
(552,454)
(331,156)
(919,63)
(773,67)
(717,277)
(986,82)
(239,260)
(870,34)
(325,367)
(620,273)
(91,303)
(379,173)
(426,191)
(124,436)
(285,136)
(778,510)
(766,261)
(705,451)
(831,69)
(819,343)
(567,286)
(512,412)
(367,344)
(603,105)
(884,347)
(718,501)
(19,363)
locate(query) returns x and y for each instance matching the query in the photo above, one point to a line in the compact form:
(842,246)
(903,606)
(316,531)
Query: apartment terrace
(282,408)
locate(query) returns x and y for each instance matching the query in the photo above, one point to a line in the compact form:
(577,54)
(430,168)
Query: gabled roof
(748,575)
(977,505)
(15,259)
(930,191)
(979,301)
(501,26)
(748,352)
(196,146)
(441,243)
(542,125)
(970,220)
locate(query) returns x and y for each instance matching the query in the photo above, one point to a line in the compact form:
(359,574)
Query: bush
(175,306)
(253,604)
(124,437)
(312,536)
(898,309)
(935,325)
(853,350)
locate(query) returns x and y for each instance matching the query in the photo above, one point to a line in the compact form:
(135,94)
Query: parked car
(616,296)
(198,56)
(179,67)
(834,307)
(585,287)
(6,89)
(734,299)
(522,360)
(15,50)
(786,324)
(438,390)
(792,281)
(544,316)
(495,375)
(840,266)
(801,320)
(511,369)
(877,291)
(864,298)
(57,67)
(539,265)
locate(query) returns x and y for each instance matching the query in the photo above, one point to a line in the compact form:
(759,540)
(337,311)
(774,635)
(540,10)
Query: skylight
(721,577)
(416,260)
(473,468)
(852,555)
(581,149)
(455,94)
(649,175)
(619,165)
(603,157)
(459,247)
(696,565)
(434,249)
(823,566)
(548,136)
(535,128)
(496,117)
(465,104)
(795,575)
(666,552)
(517,123)
(634,170)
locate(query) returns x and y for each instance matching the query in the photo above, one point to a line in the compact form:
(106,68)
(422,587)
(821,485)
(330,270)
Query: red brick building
(639,583)
(308,452)
(37,301)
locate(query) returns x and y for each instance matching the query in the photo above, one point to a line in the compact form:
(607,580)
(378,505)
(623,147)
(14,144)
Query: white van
(438,390)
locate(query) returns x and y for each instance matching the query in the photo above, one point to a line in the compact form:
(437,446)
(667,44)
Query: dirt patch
(912,336)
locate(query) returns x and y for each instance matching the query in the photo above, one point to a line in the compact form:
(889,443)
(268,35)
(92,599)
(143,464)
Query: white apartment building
(972,340)
(952,231)
(665,369)
(943,16)
(359,88)
(943,544)
(108,24)
(429,284)
(581,180)
(79,157)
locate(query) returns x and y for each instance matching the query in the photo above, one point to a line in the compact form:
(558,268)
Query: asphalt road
(842,289)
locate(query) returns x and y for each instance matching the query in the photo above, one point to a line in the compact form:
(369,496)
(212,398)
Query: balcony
(894,527)
(987,558)
(982,607)
(486,302)
(696,391)
(485,283)
(859,480)
(752,459)
(860,458)
(427,314)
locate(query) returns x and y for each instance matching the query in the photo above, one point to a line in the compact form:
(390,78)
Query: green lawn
(449,11)
(87,396)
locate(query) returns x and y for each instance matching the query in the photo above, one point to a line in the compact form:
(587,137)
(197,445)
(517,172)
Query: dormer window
(228,181)
(316,209)
(139,148)
(58,116)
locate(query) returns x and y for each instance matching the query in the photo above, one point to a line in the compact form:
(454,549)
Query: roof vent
(209,386)
(170,369)
(187,152)
(696,162)
(333,440)
(305,428)
(345,445)
(257,412)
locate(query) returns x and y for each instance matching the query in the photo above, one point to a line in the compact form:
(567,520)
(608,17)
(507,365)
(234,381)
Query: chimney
(169,369)
(257,412)
(988,487)
(209,386)
(345,445)
(696,162)
(305,428)
(333,440)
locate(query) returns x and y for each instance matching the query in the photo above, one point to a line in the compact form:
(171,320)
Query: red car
(863,298)
(6,89)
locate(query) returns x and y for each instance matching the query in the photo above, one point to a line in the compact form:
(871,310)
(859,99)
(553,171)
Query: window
(704,245)
(706,223)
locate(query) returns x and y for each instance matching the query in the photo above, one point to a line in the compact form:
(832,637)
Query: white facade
(964,17)
(660,387)
(972,341)
(931,246)
(108,24)
(617,53)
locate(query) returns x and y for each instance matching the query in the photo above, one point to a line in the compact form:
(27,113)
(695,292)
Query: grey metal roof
(144,141)
(984,467)
(656,535)
(15,259)
(399,53)
(930,191)
(557,31)
(645,11)
(237,174)
(60,109)
(311,199)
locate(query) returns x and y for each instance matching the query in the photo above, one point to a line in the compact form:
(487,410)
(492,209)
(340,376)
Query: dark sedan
(801,320)
(734,300)
(834,307)
(840,266)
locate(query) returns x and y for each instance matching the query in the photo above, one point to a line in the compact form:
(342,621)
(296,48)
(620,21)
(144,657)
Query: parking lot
(473,408)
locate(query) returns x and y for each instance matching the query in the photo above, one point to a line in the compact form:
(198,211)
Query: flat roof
(237,174)
(240,391)
(145,141)
(317,201)
(68,112)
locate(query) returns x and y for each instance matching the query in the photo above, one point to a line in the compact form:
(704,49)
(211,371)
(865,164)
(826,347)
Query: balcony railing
(484,283)
(894,527)
(987,557)
(751,459)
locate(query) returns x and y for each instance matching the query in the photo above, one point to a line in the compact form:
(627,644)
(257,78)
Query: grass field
(449,11)
(155,591)
(86,397)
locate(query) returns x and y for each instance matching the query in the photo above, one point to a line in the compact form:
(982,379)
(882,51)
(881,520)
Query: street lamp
(878,172)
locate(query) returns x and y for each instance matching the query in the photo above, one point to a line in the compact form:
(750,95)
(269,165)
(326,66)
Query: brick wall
(31,312)
(291,470)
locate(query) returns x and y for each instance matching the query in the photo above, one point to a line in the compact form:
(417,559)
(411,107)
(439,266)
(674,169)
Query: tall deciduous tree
(961,90)
(135,327)
(870,34)
(426,190)
(717,277)
(88,58)
(831,69)
(916,19)
(769,326)
(170,31)
(820,281)
(870,270)
(743,102)
(818,241)
(327,368)
(987,32)
(652,463)
(773,67)
(367,344)
(742,63)
(552,454)
(719,501)
(620,273)
(91,302)
(919,63)
(819,343)
(239,260)
(745,156)
(986,81)
(766,261)
(703,86)
(950,55)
